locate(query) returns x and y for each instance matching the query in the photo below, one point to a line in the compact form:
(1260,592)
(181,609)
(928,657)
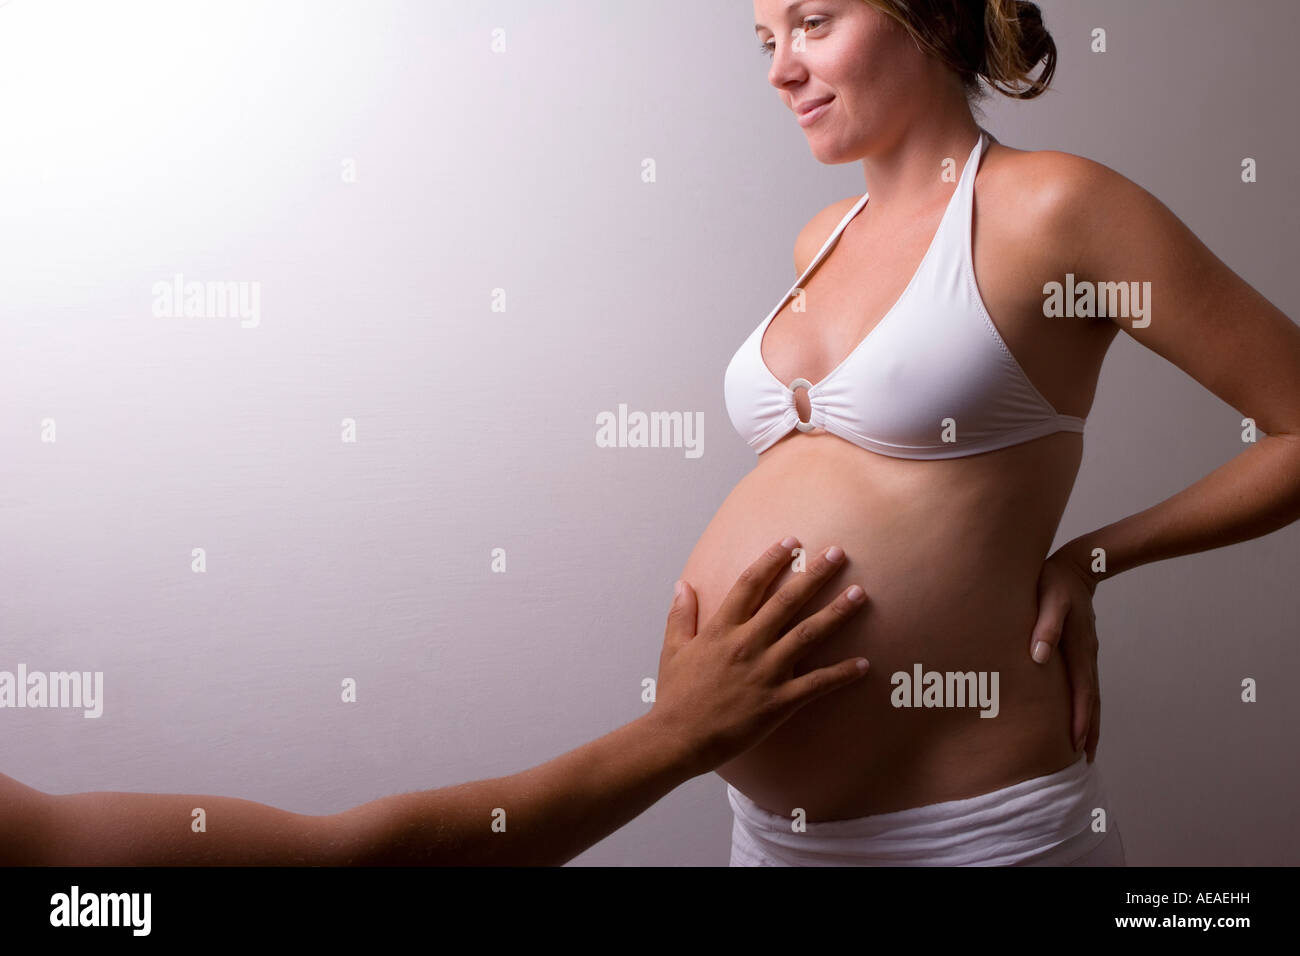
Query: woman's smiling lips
(808,113)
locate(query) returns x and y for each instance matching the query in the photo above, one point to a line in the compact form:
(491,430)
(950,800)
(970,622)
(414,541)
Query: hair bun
(999,41)
(1015,43)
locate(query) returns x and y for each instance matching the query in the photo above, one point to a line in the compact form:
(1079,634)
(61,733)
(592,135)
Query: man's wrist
(683,753)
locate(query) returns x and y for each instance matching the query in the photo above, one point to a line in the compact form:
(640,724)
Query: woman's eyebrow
(788,10)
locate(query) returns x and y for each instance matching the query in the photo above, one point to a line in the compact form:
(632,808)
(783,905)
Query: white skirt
(1043,821)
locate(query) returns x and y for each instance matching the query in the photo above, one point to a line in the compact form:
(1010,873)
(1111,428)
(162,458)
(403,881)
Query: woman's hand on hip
(725,688)
(1066,618)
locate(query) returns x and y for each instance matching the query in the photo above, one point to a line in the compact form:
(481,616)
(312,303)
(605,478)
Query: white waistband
(999,828)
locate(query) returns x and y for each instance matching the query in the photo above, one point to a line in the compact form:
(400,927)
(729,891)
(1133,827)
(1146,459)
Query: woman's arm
(1092,222)
(1208,322)
(718,693)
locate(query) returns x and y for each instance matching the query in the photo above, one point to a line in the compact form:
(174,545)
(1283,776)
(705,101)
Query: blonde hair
(998,41)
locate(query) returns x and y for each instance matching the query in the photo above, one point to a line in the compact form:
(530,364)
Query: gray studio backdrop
(383,181)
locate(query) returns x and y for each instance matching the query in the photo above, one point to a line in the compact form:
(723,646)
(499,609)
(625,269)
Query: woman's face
(859,69)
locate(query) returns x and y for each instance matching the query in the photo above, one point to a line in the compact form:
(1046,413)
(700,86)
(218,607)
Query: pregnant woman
(919,403)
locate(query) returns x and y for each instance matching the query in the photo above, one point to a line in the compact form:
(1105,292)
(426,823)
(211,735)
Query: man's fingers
(746,594)
(797,641)
(682,617)
(800,690)
(772,618)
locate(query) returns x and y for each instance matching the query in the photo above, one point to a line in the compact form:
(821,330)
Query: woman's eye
(809,24)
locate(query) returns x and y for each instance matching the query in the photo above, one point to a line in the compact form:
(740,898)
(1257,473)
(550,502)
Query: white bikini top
(933,379)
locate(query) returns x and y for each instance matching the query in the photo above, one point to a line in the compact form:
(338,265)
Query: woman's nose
(786,64)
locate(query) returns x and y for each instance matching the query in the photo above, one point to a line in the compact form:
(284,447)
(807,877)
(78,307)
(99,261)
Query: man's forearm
(545,815)
(110,828)
(1255,493)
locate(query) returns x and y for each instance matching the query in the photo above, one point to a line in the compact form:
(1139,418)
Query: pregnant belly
(948,552)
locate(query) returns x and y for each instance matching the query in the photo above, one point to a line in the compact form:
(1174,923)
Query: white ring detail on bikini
(803,426)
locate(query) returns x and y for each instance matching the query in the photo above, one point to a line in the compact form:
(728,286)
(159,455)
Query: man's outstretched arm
(719,692)
(546,814)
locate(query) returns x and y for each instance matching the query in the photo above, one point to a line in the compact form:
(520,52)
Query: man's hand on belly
(725,688)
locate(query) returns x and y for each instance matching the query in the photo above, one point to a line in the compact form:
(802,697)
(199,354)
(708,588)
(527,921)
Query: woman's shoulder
(1048,179)
(818,229)
(1049,200)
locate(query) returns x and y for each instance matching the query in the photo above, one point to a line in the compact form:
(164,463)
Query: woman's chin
(830,154)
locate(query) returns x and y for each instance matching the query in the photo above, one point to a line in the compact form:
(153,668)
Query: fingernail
(834,554)
(1042,650)
(855,594)
(1078,744)
(789,542)
(677,590)
(862,664)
